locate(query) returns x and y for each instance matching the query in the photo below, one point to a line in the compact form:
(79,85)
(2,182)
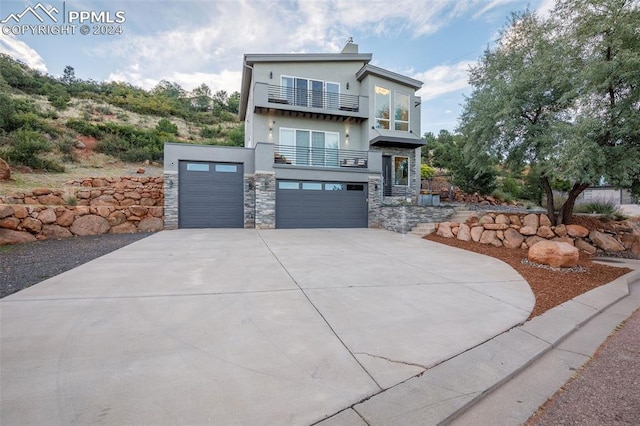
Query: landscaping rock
(533,240)
(490,237)
(529,230)
(50,200)
(65,218)
(444,230)
(501,218)
(55,231)
(464,232)
(5,211)
(150,224)
(577,231)
(531,220)
(41,191)
(123,228)
(544,220)
(584,246)
(560,230)
(90,225)
(9,236)
(512,238)
(486,219)
(32,225)
(9,223)
(515,220)
(553,253)
(476,233)
(545,231)
(605,242)
(47,216)
(496,226)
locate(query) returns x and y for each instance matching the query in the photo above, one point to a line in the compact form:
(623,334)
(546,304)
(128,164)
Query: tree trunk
(549,194)
(566,211)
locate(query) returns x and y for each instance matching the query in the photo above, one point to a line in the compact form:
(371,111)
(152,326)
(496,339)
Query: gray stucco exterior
(330,100)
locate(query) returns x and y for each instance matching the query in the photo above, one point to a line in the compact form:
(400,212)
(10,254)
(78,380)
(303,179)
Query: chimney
(350,47)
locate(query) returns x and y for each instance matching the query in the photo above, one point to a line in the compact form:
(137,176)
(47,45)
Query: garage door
(210,195)
(304,204)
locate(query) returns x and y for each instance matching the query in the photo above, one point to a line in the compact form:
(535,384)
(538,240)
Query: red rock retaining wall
(102,205)
(523,231)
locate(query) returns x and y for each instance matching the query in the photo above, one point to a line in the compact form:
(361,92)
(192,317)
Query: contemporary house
(329,139)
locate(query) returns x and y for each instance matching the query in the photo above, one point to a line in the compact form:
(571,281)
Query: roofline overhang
(369,69)
(397,142)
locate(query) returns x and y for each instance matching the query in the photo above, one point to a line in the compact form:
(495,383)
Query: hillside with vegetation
(54,129)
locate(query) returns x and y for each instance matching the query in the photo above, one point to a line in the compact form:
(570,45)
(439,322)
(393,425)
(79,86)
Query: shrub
(166,126)
(503,196)
(426,171)
(511,186)
(605,208)
(84,128)
(25,149)
(67,147)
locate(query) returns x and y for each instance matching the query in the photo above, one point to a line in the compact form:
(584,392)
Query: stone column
(265,201)
(170,200)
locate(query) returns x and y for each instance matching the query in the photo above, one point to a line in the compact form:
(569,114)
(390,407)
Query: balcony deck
(321,157)
(316,104)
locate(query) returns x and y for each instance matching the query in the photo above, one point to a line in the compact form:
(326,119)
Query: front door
(386,175)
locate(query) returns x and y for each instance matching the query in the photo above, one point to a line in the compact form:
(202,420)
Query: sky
(191,42)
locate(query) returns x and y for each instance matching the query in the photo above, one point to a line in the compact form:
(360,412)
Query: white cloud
(444,79)
(17,49)
(545,7)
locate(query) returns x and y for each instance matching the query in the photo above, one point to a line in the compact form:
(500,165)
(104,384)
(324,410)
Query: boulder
(20,212)
(104,200)
(560,230)
(496,226)
(486,219)
(116,218)
(503,219)
(464,232)
(531,220)
(512,238)
(124,228)
(545,231)
(32,225)
(529,230)
(577,231)
(605,242)
(567,240)
(515,220)
(444,230)
(41,191)
(5,170)
(490,237)
(635,248)
(55,231)
(533,240)
(554,253)
(50,200)
(5,211)
(9,236)
(90,225)
(544,220)
(476,233)
(65,218)
(584,246)
(9,223)
(47,216)
(150,224)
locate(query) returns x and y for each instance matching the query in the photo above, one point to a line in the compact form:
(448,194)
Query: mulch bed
(551,288)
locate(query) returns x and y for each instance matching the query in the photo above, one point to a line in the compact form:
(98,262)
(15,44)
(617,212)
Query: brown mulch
(551,288)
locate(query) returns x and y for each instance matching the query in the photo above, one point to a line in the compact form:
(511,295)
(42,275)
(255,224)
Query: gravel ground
(27,264)
(606,390)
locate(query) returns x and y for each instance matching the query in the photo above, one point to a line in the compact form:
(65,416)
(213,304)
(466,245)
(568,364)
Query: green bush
(210,132)
(84,128)
(506,197)
(511,186)
(426,171)
(236,137)
(604,208)
(25,149)
(67,147)
(166,126)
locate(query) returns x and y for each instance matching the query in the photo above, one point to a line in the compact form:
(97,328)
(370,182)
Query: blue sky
(191,42)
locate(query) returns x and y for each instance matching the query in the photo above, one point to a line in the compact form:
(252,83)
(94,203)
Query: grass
(604,208)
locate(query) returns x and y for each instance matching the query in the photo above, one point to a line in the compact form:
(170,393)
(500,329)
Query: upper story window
(310,93)
(401,107)
(383,101)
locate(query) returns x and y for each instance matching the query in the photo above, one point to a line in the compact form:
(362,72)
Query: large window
(401,171)
(401,107)
(310,147)
(383,100)
(309,92)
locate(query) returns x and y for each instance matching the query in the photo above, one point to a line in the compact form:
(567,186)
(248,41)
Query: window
(288,185)
(310,147)
(308,92)
(401,171)
(401,108)
(313,186)
(226,168)
(197,167)
(383,100)
(332,186)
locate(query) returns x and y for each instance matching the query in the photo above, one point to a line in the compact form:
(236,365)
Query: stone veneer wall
(401,192)
(102,205)
(265,200)
(249,201)
(171,200)
(404,217)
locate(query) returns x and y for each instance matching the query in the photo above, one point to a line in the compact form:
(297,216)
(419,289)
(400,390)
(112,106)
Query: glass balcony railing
(320,157)
(313,98)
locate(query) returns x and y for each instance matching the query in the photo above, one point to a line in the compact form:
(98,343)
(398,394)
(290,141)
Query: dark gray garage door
(321,204)
(210,195)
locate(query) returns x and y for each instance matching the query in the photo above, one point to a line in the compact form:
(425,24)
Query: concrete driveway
(245,327)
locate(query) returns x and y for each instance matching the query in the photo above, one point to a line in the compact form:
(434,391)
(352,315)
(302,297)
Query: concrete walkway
(255,327)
